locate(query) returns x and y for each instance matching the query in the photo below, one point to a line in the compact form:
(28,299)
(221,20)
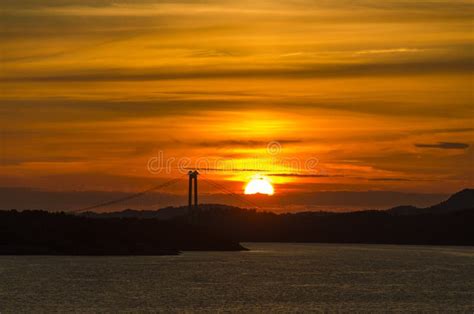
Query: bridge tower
(193,180)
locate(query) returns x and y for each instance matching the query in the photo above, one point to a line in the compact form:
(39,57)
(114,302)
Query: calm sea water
(269,278)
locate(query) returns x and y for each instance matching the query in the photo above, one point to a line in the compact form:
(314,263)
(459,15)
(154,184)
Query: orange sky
(379,93)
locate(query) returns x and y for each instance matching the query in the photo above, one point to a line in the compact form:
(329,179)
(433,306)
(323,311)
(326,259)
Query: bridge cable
(128,197)
(230,193)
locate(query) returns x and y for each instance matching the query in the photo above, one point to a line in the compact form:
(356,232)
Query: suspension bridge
(193,198)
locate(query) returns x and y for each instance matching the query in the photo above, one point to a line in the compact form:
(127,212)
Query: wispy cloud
(246,143)
(304,175)
(459,66)
(444,145)
(392,50)
(393,179)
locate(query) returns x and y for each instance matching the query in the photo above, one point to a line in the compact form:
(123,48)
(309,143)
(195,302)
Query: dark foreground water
(269,278)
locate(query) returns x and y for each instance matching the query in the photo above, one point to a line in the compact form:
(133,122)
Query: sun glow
(259,185)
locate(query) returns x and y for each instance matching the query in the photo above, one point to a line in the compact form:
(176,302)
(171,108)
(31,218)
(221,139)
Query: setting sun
(259,185)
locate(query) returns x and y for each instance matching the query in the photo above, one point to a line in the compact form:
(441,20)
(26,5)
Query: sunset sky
(377,95)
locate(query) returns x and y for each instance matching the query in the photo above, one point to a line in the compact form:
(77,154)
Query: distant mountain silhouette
(458,201)
(165,213)
(162,214)
(446,223)
(219,227)
(461,200)
(404,210)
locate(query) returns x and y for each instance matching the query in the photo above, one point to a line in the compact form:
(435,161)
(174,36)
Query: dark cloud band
(444,145)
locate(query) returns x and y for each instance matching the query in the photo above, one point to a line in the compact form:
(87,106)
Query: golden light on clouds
(369,89)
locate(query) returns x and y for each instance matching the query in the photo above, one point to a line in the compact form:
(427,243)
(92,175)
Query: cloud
(392,50)
(304,175)
(229,169)
(442,130)
(390,179)
(455,66)
(444,145)
(344,10)
(245,143)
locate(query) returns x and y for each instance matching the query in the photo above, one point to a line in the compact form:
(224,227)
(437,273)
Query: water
(270,278)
